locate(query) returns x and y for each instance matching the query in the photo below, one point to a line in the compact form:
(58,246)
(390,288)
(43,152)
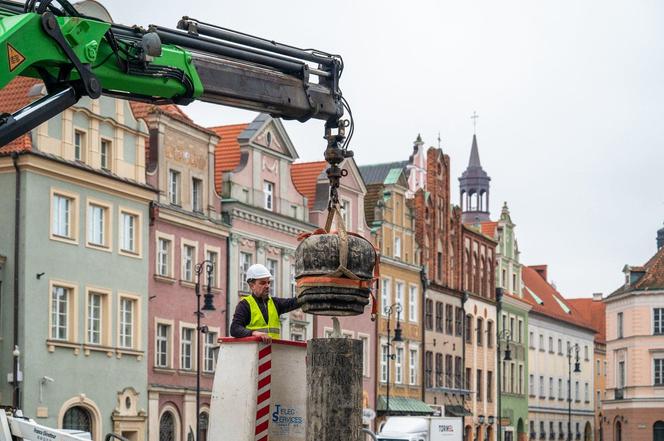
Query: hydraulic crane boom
(75,55)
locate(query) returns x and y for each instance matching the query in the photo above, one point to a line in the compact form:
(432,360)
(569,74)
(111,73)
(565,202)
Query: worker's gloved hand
(265,338)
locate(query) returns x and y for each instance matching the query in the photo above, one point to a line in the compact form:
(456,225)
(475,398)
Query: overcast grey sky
(570,96)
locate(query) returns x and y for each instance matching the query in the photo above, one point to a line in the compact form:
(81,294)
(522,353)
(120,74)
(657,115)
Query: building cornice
(193,222)
(266,218)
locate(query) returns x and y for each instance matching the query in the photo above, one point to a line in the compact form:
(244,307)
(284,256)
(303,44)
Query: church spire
(474,155)
(474,185)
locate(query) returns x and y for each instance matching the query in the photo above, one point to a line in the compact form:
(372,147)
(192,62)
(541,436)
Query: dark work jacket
(242,316)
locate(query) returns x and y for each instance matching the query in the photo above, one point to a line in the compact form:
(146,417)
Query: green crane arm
(76,55)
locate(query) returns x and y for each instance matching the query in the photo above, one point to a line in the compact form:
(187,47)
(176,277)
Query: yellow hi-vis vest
(257,323)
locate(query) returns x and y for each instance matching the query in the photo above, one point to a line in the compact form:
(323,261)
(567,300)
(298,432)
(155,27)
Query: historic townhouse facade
(478,269)
(311,180)
(593,311)
(185,230)
(391,216)
(438,232)
(634,405)
(81,263)
(512,330)
(264,209)
(557,334)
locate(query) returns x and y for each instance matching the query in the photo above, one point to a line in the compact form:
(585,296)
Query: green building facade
(79,272)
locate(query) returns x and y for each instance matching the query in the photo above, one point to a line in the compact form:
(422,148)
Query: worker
(258,314)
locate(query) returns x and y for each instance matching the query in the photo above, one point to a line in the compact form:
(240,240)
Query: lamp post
(577,368)
(397,337)
(506,335)
(208,267)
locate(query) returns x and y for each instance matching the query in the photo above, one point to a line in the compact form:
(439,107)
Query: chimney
(541,270)
(597,296)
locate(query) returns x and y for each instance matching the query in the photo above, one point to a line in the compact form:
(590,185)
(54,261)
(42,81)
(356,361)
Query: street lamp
(577,368)
(506,335)
(397,337)
(208,267)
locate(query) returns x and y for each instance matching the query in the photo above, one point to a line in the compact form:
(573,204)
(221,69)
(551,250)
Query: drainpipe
(228,284)
(17,234)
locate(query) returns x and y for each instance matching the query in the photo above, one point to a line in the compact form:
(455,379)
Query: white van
(413,428)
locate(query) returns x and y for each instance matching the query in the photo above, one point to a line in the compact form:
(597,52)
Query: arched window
(204,420)
(77,418)
(618,432)
(658,431)
(167,427)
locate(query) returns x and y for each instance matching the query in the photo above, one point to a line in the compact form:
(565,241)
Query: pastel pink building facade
(264,209)
(311,180)
(634,403)
(185,230)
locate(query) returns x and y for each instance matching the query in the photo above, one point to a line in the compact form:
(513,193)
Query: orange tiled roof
(141,110)
(305,176)
(12,97)
(551,300)
(227,152)
(593,312)
(489,229)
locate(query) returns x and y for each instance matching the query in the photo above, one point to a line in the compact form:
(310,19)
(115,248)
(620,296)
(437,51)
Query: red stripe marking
(267,350)
(264,382)
(262,412)
(262,397)
(264,367)
(263,439)
(261,427)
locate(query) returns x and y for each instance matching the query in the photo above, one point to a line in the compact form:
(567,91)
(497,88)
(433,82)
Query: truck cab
(414,428)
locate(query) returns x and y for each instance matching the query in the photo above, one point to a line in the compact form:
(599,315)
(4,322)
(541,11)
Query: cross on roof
(474,118)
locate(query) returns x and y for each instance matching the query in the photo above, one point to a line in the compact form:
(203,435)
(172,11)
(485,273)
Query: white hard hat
(258,271)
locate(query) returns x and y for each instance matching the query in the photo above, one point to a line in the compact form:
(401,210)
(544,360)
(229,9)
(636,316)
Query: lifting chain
(335,155)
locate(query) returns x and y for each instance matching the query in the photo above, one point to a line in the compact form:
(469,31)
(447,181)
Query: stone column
(334,396)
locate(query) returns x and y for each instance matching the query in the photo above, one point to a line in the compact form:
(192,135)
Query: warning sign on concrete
(15,57)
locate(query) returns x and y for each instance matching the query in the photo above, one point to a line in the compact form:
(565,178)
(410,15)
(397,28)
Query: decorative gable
(269,134)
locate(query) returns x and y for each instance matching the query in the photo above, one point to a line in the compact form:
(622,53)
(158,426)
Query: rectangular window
(448,371)
(478,384)
(106,154)
(658,372)
(213,258)
(127,328)
(520,334)
(63,210)
(345,213)
(129,231)
(246,260)
(210,360)
(468,378)
(512,378)
(97,224)
(620,325)
(489,334)
(174,187)
(268,192)
(94,318)
(551,345)
(428,312)
(428,369)
(412,367)
(439,266)
(439,316)
(586,394)
(585,353)
(480,331)
(162,338)
(79,145)
(541,342)
(449,319)
(541,386)
(383,364)
(439,370)
(576,391)
(186,348)
(273,267)
(658,320)
(397,246)
(385,296)
(458,322)
(520,391)
(399,298)
(551,388)
(531,340)
(164,257)
(621,374)
(489,386)
(197,195)
(458,383)
(366,348)
(531,385)
(60,298)
(412,303)
(188,262)
(560,346)
(469,329)
(560,389)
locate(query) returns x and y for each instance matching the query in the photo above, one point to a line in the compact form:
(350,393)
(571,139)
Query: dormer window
(268,191)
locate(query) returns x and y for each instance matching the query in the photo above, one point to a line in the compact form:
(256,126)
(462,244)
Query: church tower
(474,186)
